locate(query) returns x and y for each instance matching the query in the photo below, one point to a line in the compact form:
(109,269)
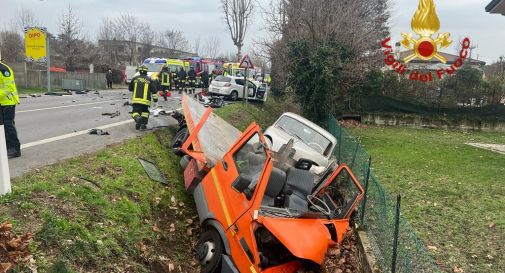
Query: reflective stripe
(145,114)
(146,87)
(221,197)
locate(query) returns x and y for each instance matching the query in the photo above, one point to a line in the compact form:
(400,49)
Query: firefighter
(165,81)
(173,80)
(8,100)
(182,80)
(144,89)
(205,81)
(192,80)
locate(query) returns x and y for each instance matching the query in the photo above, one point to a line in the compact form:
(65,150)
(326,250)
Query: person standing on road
(182,80)
(108,77)
(144,90)
(9,98)
(205,81)
(165,81)
(192,80)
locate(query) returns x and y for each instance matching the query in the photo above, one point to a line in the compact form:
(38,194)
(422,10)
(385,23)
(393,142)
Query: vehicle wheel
(209,250)
(234,95)
(179,139)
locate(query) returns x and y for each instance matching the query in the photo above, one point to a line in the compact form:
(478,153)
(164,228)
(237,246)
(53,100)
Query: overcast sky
(203,18)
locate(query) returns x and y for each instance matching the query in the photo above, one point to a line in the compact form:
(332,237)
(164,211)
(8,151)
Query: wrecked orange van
(258,212)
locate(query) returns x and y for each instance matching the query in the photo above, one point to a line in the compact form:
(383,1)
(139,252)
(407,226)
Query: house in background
(496,7)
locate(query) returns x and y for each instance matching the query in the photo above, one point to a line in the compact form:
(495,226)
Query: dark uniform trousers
(7,114)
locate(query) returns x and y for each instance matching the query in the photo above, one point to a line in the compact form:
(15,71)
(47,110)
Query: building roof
(496,6)
(450,58)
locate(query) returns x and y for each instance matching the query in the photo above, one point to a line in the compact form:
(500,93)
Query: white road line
(66,106)
(83,132)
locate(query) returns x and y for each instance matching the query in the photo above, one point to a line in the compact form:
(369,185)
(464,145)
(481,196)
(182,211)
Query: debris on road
(99,132)
(58,93)
(35,95)
(153,172)
(90,181)
(14,249)
(112,115)
(127,103)
(80,92)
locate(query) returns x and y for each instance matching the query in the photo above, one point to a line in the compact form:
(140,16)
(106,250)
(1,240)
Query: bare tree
(147,38)
(212,47)
(175,41)
(197,45)
(237,15)
(23,18)
(11,46)
(107,29)
(129,27)
(69,37)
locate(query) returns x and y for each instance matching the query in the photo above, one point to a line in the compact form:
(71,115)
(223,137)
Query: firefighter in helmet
(144,90)
(165,77)
(192,80)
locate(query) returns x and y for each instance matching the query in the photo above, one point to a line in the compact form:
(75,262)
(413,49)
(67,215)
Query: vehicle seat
(299,184)
(276,183)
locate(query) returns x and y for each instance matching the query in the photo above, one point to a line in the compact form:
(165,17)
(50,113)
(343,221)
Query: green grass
(121,225)
(453,194)
(265,114)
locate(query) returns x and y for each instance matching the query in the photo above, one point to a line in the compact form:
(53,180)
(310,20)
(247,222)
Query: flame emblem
(426,23)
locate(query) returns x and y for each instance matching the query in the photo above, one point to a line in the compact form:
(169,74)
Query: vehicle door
(239,86)
(237,174)
(242,170)
(251,89)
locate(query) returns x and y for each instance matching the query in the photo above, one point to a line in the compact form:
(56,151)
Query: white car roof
(310,124)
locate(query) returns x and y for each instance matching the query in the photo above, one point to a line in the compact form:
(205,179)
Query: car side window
(239,82)
(250,159)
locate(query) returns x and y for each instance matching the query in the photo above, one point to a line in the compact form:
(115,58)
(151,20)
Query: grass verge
(453,194)
(120,222)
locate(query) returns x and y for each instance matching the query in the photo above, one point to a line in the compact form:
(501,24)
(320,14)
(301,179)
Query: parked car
(233,88)
(309,141)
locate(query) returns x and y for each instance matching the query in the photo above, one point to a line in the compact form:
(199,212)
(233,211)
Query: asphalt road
(53,128)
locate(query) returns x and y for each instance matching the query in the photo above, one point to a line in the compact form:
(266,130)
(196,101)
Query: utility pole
(501,66)
(48,53)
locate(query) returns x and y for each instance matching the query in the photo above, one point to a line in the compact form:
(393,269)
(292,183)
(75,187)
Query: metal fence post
(395,240)
(339,142)
(367,179)
(5,179)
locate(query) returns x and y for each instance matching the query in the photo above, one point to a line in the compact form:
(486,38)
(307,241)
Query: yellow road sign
(35,44)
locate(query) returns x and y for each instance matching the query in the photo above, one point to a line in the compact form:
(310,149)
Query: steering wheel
(317,146)
(312,198)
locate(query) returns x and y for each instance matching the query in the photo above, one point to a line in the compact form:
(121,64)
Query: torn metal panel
(153,172)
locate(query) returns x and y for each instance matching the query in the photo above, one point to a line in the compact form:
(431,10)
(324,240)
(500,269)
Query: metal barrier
(394,242)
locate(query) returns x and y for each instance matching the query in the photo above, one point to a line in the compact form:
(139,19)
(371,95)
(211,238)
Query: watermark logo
(424,47)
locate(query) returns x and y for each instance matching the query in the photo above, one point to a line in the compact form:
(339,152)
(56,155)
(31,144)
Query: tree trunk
(239,53)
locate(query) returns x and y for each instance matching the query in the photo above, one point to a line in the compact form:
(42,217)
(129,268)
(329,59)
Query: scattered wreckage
(261,209)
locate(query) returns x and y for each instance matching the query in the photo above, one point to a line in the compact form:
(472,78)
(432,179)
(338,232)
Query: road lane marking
(83,132)
(66,106)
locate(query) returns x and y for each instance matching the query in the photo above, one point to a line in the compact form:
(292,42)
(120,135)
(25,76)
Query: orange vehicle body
(238,217)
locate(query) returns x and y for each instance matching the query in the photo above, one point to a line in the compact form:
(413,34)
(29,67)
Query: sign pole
(5,179)
(48,54)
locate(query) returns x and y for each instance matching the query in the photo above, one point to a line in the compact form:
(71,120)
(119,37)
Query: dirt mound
(351,123)
(13,249)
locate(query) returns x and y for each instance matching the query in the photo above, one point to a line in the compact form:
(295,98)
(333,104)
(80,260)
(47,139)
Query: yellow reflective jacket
(143,89)
(165,78)
(8,91)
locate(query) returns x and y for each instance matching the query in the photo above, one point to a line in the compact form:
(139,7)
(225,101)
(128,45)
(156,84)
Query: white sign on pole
(5,177)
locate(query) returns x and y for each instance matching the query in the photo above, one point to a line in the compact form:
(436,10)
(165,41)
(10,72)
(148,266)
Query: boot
(13,153)
(137,123)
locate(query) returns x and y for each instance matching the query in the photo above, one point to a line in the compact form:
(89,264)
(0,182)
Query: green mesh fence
(378,212)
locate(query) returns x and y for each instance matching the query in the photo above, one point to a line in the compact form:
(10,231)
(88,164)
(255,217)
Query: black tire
(234,95)
(179,139)
(209,250)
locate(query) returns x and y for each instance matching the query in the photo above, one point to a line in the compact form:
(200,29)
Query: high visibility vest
(141,91)
(165,78)
(8,91)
